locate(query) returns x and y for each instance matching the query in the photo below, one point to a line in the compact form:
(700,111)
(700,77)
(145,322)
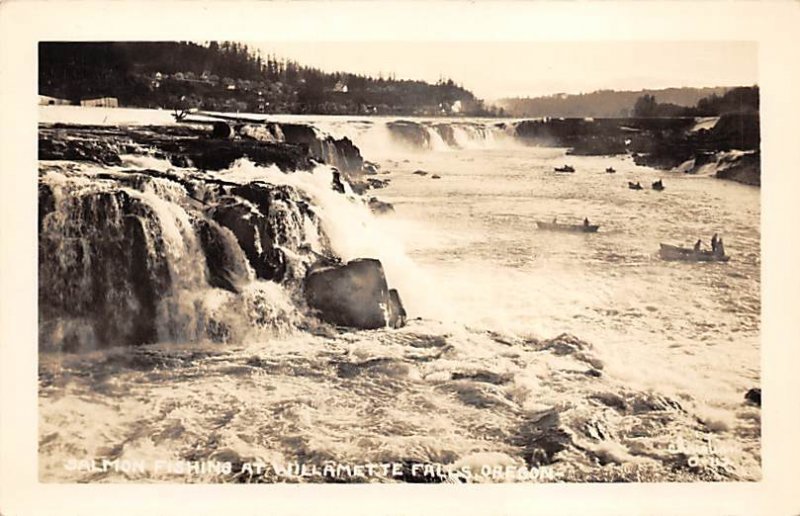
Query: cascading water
(132,257)
(669,349)
(380,137)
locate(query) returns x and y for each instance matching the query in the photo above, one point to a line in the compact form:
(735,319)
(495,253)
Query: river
(466,381)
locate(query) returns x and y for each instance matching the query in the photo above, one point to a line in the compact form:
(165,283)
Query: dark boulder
(253,232)
(227,266)
(754,396)
(379,207)
(337,184)
(397,314)
(371,168)
(375,183)
(354,295)
(221,130)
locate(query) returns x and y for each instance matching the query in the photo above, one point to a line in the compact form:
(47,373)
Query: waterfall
(448,135)
(135,256)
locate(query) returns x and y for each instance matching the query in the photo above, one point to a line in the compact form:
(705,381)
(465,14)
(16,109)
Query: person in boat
(555,219)
(720,250)
(697,245)
(586,222)
(714,243)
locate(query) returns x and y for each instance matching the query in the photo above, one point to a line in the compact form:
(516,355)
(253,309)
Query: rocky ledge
(133,255)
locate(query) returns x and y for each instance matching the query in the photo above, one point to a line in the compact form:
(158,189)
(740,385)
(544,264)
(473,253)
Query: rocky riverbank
(156,233)
(679,144)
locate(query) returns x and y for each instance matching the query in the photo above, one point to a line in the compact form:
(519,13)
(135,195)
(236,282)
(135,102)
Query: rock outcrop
(662,143)
(354,295)
(754,396)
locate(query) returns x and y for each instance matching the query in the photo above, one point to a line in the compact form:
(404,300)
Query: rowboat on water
(565,168)
(610,170)
(573,228)
(675,253)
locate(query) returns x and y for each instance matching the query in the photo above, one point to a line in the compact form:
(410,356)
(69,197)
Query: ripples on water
(666,349)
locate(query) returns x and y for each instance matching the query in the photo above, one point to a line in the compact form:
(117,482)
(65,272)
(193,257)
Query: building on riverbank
(44,100)
(111,102)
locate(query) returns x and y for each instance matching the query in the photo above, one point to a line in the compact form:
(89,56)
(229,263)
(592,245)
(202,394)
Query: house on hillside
(111,102)
(340,87)
(44,100)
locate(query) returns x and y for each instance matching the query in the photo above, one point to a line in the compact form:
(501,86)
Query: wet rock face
(410,133)
(342,153)
(97,151)
(226,268)
(126,257)
(354,295)
(183,146)
(253,233)
(102,269)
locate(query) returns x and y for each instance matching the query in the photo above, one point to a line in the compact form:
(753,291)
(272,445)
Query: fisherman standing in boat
(720,249)
(714,243)
(586,222)
(697,245)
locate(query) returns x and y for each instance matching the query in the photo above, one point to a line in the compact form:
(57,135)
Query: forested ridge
(232,76)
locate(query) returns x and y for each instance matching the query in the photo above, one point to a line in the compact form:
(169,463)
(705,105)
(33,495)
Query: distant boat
(573,228)
(565,168)
(634,186)
(658,185)
(675,253)
(610,170)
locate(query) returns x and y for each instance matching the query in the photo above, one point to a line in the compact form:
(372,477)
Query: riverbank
(675,144)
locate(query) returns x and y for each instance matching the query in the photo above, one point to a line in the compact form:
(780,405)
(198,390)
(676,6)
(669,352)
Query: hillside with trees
(743,100)
(602,103)
(232,77)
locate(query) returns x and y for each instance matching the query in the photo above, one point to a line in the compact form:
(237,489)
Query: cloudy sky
(499,69)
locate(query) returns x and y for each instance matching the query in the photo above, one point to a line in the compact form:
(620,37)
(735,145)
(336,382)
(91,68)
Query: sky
(529,69)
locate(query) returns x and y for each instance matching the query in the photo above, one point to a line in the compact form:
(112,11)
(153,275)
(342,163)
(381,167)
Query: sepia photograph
(397,261)
(275,263)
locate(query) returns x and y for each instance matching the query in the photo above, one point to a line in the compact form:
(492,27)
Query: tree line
(742,100)
(230,75)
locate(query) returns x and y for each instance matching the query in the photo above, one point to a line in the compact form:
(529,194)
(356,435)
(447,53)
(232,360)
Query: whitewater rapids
(487,372)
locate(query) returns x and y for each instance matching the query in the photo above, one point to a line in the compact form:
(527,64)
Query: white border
(774,26)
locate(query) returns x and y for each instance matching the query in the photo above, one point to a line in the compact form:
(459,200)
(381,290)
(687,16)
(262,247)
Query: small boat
(565,168)
(634,186)
(675,253)
(572,228)
(610,170)
(658,185)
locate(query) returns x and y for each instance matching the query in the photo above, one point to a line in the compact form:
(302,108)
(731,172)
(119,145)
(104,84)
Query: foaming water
(665,324)
(665,351)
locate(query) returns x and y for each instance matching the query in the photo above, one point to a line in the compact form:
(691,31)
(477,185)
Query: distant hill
(602,103)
